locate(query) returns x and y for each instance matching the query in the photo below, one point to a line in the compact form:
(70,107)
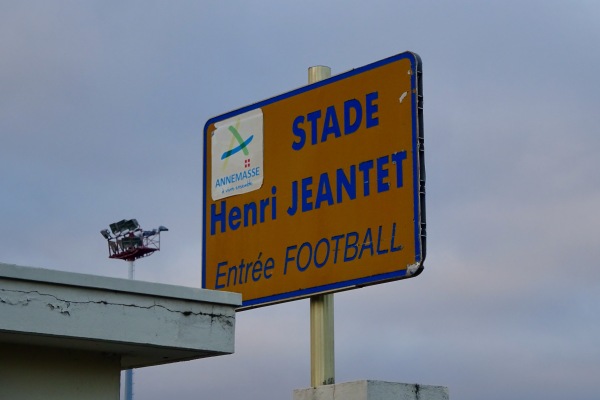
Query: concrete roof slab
(145,323)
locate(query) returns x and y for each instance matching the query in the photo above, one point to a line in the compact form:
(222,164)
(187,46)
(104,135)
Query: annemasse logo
(237,155)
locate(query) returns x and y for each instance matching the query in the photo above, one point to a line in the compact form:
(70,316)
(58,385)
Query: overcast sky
(102,107)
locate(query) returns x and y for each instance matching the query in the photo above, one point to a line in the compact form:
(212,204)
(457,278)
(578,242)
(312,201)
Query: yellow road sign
(317,190)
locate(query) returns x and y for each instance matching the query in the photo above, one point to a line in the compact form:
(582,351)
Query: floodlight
(131,225)
(124,226)
(149,233)
(130,242)
(117,227)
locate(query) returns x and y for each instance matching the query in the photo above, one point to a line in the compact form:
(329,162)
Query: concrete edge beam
(144,323)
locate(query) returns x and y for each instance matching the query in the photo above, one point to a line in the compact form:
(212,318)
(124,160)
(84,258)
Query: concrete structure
(67,336)
(373,390)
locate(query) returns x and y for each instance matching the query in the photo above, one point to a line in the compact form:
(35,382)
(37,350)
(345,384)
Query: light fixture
(117,227)
(130,242)
(124,226)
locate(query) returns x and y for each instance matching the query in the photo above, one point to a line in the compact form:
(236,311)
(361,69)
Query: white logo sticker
(237,155)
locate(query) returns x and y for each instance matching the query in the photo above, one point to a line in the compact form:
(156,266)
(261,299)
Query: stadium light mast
(130,242)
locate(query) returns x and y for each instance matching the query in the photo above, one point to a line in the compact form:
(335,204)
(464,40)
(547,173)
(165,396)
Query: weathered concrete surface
(143,323)
(373,390)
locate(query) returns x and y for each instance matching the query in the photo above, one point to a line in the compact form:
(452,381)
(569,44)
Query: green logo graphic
(243,144)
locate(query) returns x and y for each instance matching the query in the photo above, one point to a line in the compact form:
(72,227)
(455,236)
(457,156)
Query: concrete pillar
(373,390)
(43,373)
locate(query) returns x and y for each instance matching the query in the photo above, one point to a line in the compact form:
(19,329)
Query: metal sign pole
(322,354)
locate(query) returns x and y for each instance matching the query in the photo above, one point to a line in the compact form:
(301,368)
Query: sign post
(317,190)
(322,327)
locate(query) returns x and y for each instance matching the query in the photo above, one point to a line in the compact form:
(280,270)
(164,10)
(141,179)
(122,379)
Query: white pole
(129,373)
(131,269)
(322,354)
